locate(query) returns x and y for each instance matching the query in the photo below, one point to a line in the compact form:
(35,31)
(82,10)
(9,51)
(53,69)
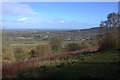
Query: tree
(56,43)
(42,50)
(109,32)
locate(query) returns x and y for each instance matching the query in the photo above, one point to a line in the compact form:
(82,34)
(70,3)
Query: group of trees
(110,32)
(112,21)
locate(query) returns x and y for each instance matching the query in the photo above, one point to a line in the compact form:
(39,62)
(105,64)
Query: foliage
(110,35)
(56,43)
(63,67)
(119,36)
(40,50)
(86,45)
(94,42)
(43,50)
(32,53)
(7,54)
(109,40)
(20,54)
(72,46)
(77,46)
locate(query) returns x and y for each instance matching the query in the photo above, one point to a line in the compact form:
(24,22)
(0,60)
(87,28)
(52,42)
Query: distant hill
(94,31)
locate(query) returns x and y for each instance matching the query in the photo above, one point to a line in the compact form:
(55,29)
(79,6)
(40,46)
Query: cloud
(23,19)
(17,9)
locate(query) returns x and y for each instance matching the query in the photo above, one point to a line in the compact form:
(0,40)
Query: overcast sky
(55,15)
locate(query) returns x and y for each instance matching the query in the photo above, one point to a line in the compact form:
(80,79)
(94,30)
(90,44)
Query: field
(28,43)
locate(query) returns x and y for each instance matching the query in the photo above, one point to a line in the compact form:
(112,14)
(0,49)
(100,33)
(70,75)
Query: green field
(32,43)
(26,44)
(85,65)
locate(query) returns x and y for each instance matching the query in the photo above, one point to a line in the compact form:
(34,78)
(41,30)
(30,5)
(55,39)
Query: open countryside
(60,51)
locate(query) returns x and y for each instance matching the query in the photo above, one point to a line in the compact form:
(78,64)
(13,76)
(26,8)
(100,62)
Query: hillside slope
(85,65)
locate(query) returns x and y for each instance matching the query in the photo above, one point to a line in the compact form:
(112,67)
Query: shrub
(72,47)
(42,50)
(94,43)
(20,54)
(119,37)
(56,44)
(32,53)
(119,41)
(85,45)
(109,40)
(7,55)
(26,53)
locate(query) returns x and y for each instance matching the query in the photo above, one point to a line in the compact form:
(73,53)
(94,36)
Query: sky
(55,15)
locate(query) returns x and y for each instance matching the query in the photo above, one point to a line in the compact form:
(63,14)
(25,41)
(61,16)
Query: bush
(86,45)
(109,40)
(56,44)
(118,37)
(119,41)
(7,54)
(20,54)
(41,50)
(94,43)
(72,47)
(33,53)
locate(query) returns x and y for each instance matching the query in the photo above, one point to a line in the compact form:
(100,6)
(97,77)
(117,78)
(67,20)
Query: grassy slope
(86,65)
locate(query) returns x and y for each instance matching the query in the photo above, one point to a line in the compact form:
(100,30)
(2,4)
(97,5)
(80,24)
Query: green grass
(25,38)
(31,43)
(86,65)
(26,43)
